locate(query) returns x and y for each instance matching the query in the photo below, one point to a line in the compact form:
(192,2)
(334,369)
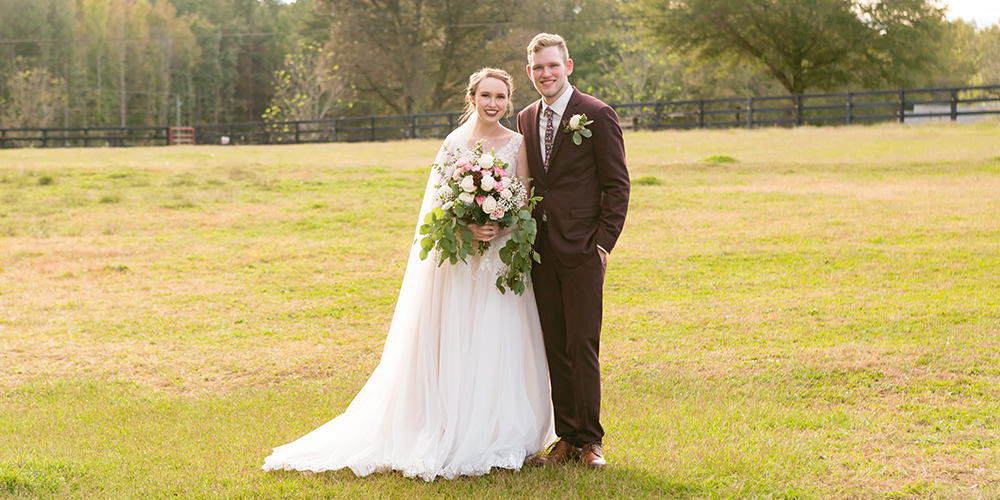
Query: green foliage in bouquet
(445,231)
(518,253)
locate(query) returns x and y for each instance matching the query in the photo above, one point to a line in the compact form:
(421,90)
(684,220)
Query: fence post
(371,129)
(849,110)
(701,113)
(798,111)
(954,105)
(45,138)
(656,116)
(3,139)
(749,113)
(297,133)
(451,123)
(902,107)
(333,130)
(413,127)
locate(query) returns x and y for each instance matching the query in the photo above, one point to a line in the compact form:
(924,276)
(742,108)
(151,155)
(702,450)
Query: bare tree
(35,99)
(408,56)
(306,88)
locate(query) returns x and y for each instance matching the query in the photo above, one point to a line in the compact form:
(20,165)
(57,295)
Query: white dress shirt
(558,110)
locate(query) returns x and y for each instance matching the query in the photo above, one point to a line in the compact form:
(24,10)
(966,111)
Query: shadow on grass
(558,482)
(28,478)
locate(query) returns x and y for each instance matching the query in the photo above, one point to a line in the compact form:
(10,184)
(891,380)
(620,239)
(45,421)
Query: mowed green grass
(789,314)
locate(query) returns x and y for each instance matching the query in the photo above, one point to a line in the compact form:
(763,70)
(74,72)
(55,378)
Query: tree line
(94,63)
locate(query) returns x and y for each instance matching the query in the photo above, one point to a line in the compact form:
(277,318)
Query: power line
(334,30)
(620,18)
(120,39)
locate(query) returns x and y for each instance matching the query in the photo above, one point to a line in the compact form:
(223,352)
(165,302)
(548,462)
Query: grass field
(789,314)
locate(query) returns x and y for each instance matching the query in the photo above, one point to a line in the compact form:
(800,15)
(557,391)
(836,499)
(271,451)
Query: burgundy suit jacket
(585,191)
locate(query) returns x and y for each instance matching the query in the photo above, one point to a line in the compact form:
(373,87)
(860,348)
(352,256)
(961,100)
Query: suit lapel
(535,162)
(574,100)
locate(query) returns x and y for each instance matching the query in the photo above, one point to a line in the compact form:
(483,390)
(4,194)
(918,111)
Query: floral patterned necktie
(550,136)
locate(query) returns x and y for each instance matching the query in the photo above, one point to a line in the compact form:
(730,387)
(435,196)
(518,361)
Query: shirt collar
(559,107)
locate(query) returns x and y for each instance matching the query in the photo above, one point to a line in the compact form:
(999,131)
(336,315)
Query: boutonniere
(577,125)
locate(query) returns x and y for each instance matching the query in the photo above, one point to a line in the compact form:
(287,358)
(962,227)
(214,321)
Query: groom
(584,187)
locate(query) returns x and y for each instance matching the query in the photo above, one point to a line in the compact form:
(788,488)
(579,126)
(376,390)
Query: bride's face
(491,100)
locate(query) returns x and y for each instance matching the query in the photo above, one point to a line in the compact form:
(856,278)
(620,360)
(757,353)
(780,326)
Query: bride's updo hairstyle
(478,76)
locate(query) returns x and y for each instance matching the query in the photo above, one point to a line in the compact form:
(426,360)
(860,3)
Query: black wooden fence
(902,106)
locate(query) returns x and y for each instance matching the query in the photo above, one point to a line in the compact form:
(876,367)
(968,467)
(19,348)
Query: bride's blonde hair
(479,76)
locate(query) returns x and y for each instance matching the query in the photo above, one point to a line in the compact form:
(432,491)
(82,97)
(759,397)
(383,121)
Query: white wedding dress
(462,385)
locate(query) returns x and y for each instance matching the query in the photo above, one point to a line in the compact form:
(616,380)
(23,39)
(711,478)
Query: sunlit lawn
(806,313)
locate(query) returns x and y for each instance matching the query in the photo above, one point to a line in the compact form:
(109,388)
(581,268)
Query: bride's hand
(485,233)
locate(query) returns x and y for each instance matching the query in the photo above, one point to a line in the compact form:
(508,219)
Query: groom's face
(548,72)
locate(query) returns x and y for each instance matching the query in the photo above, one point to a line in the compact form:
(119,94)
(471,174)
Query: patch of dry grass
(813,320)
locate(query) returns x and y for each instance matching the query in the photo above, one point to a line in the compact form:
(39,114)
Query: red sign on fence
(180,135)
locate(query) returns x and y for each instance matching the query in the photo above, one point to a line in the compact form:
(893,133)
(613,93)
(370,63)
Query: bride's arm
(522,167)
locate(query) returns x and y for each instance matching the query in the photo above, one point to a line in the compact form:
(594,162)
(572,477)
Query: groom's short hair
(546,40)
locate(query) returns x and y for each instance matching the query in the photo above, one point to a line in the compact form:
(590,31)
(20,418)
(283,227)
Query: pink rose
(496,214)
(462,162)
(480,200)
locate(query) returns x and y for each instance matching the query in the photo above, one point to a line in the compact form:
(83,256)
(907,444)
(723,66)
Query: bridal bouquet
(477,190)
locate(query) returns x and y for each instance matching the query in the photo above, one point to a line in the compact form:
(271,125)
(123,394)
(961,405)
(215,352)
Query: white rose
(466,198)
(506,194)
(444,193)
(574,122)
(489,204)
(468,184)
(447,206)
(505,182)
(486,161)
(487,183)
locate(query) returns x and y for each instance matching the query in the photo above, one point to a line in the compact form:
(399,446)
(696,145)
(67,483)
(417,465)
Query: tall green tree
(806,44)
(986,50)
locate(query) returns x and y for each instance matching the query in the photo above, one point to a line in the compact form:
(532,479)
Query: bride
(462,385)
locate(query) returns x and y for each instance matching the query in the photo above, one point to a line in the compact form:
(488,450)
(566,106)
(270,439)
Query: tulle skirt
(462,385)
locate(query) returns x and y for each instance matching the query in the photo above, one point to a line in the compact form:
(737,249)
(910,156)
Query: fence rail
(903,106)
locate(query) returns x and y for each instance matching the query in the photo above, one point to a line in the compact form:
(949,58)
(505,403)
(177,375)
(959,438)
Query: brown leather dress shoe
(593,456)
(559,453)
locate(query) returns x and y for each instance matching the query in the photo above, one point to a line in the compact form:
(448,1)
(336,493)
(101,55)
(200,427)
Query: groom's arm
(609,156)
